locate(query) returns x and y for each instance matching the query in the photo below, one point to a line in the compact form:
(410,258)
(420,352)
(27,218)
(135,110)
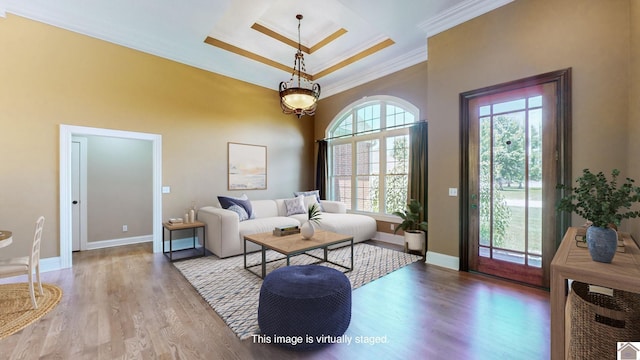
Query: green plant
(314,214)
(411,218)
(599,200)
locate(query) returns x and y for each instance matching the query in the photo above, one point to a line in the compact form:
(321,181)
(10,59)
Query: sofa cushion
(262,225)
(310,200)
(226,202)
(264,208)
(361,227)
(295,205)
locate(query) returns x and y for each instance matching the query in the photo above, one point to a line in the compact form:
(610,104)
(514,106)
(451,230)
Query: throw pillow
(315,193)
(242,213)
(227,201)
(295,206)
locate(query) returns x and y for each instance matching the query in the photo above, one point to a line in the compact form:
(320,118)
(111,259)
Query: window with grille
(369,154)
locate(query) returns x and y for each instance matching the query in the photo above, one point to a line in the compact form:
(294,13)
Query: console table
(573,262)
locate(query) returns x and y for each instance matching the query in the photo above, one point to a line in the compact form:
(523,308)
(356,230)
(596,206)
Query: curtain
(418,164)
(321,169)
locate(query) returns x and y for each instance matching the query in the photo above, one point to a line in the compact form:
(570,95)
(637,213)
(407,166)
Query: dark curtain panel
(321,169)
(418,164)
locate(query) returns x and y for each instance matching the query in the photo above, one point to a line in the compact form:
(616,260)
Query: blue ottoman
(304,301)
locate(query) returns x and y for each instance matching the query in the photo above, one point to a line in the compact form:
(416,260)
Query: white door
(78,193)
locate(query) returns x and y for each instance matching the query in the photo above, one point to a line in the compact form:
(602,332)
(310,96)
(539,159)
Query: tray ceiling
(346,42)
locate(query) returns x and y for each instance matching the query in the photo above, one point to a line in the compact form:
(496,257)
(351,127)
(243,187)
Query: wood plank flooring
(128,303)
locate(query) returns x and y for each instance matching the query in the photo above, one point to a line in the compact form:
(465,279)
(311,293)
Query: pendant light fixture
(299,95)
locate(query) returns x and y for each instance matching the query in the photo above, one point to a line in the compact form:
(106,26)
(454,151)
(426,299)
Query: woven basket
(599,322)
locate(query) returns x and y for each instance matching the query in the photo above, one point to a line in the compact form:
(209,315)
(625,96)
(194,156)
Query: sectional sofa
(225,230)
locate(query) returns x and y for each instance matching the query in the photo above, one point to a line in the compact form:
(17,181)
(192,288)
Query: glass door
(512,178)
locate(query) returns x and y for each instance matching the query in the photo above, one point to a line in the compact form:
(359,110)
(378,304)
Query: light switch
(166,189)
(453,191)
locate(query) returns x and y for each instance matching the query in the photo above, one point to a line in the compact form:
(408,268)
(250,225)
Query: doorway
(67,132)
(515,150)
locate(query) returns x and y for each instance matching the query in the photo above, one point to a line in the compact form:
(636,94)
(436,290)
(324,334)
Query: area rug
(233,292)
(16,310)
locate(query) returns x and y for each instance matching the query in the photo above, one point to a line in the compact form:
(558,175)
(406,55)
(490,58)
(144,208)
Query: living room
(52,76)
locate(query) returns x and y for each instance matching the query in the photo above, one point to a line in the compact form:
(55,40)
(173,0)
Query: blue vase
(602,243)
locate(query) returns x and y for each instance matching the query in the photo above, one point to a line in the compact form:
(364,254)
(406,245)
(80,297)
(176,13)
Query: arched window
(368,151)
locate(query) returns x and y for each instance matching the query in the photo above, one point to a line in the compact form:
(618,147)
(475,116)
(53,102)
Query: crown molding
(408,59)
(459,14)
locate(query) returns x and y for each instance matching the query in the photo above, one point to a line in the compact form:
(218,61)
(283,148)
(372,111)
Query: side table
(192,251)
(573,262)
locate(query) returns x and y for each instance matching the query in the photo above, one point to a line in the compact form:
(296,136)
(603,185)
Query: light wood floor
(128,303)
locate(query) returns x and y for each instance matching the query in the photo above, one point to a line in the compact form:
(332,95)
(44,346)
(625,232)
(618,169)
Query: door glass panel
(509,168)
(486,191)
(535,179)
(510,175)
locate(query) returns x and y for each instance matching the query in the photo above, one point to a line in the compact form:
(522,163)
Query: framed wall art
(247,167)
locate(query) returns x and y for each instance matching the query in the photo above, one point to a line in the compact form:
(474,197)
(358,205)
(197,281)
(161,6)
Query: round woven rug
(16,310)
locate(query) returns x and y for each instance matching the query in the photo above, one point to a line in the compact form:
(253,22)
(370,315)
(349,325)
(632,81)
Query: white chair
(26,264)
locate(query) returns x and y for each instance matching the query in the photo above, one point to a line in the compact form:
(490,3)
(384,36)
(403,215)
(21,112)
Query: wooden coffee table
(292,245)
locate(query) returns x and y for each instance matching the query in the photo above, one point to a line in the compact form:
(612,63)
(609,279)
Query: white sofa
(225,232)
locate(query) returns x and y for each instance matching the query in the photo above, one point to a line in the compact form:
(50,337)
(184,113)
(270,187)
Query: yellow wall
(518,40)
(634,103)
(50,76)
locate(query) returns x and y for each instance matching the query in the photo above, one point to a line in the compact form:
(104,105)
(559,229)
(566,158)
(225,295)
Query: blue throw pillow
(228,201)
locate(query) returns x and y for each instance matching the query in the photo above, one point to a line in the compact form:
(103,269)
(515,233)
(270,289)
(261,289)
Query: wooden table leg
(558,305)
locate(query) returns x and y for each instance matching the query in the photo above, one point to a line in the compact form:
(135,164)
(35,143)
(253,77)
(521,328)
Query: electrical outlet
(392,227)
(124,228)
(453,191)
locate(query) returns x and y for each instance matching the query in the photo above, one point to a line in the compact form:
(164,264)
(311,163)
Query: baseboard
(55,263)
(442,260)
(50,264)
(93,245)
(390,238)
(433,258)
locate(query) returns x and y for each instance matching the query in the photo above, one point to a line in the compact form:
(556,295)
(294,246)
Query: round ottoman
(304,306)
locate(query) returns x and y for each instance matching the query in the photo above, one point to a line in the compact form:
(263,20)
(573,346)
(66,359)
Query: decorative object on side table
(602,203)
(307,229)
(414,229)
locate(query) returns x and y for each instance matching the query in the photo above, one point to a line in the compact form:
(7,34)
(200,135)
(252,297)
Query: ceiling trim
(294,44)
(459,14)
(253,56)
(250,55)
(322,43)
(359,56)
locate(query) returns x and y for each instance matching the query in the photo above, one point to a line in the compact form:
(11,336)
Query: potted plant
(604,205)
(307,230)
(414,229)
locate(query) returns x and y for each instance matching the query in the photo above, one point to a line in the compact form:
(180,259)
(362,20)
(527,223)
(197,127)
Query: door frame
(562,81)
(66,134)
